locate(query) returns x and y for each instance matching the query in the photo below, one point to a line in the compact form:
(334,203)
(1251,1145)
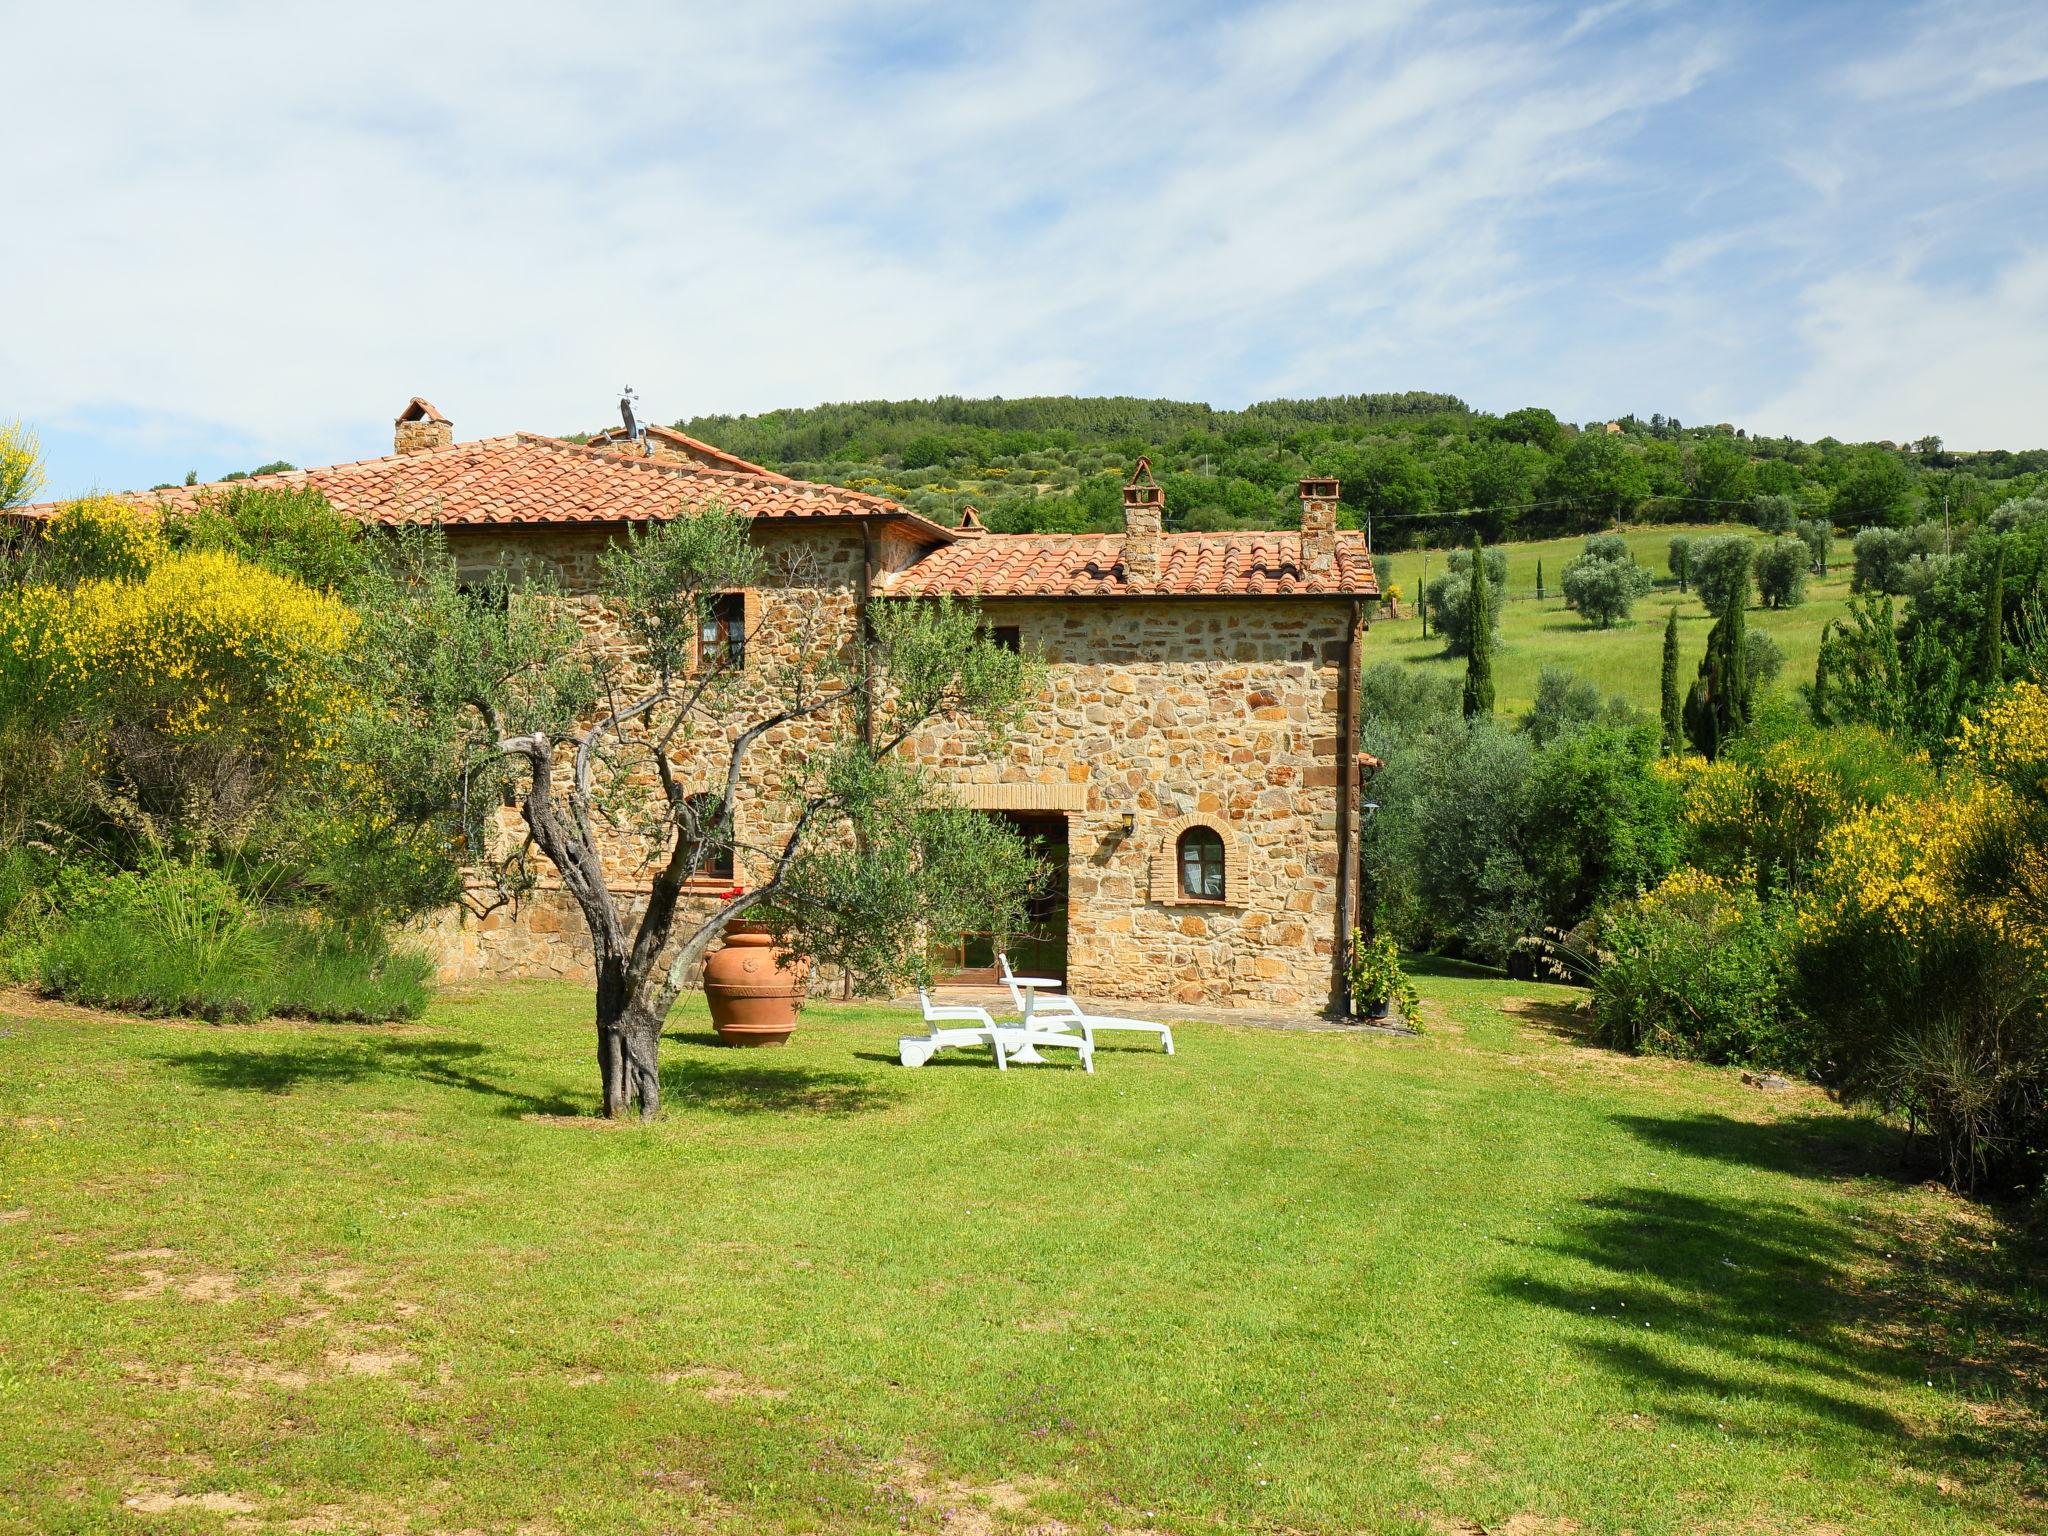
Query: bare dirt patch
(366,1362)
(722,1386)
(164,1501)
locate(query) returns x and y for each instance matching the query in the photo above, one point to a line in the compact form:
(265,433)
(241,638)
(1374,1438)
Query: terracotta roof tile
(1250,564)
(527,478)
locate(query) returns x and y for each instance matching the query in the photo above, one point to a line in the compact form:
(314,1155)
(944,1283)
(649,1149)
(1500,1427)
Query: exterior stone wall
(811,602)
(1176,713)
(1173,713)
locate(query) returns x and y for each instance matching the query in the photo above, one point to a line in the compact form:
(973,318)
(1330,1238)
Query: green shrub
(351,974)
(25,914)
(1700,968)
(1373,975)
(178,938)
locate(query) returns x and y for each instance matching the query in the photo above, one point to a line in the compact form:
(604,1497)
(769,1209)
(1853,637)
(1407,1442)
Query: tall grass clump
(180,939)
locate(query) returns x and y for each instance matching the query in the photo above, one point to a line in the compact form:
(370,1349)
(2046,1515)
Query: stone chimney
(1144,506)
(421,428)
(1319,527)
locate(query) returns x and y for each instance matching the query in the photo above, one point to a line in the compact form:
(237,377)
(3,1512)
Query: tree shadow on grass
(1445,967)
(1758,1316)
(444,1063)
(1805,1144)
(746,1086)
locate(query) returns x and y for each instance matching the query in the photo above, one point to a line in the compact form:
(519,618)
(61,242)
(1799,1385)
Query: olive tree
(1720,563)
(1450,598)
(1781,566)
(636,755)
(1604,583)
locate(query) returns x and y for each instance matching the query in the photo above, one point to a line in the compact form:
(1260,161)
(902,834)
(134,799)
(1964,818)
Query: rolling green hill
(1421,467)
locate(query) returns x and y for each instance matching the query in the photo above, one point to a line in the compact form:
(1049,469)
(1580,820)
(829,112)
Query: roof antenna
(636,430)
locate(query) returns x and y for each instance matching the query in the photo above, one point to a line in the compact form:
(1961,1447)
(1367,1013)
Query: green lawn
(390,1279)
(1627,659)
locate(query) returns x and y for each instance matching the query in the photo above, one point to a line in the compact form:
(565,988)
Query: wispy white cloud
(1900,352)
(1955,52)
(257,230)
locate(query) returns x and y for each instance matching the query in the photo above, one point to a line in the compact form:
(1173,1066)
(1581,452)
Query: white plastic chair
(1061,1011)
(964,1024)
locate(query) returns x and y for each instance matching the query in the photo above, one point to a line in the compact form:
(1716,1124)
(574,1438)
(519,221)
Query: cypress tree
(1479,647)
(1718,705)
(1539,581)
(1737,659)
(1674,725)
(1991,641)
(1823,704)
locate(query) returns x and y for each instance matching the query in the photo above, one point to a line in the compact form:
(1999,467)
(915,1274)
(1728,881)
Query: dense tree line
(1421,467)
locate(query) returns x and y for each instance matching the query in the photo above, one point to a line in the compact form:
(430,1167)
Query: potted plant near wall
(1377,983)
(753,986)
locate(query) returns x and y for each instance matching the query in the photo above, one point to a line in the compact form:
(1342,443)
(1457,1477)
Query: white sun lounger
(1060,1011)
(949,1024)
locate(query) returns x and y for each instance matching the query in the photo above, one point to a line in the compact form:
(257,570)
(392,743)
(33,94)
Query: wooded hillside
(1426,468)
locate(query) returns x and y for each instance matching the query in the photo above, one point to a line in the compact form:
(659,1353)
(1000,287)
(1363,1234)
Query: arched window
(1200,852)
(701,812)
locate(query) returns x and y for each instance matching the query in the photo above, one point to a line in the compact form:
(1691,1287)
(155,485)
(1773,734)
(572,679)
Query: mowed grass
(394,1279)
(1627,660)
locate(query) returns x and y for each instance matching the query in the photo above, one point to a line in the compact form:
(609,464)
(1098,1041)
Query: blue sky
(248,232)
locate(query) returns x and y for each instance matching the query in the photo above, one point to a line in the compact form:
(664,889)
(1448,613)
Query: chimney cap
(1320,488)
(1141,490)
(970,523)
(419,409)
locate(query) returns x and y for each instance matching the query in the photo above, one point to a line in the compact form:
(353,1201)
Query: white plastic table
(1029,986)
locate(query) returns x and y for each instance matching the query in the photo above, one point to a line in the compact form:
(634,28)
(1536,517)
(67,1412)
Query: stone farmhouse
(1190,773)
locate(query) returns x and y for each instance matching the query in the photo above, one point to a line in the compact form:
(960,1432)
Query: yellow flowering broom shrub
(101,537)
(1764,808)
(21,464)
(1924,948)
(205,681)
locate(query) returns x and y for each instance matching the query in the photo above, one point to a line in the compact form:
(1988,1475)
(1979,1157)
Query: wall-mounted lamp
(1127,823)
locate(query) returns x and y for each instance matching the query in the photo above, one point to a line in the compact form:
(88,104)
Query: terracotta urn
(754,989)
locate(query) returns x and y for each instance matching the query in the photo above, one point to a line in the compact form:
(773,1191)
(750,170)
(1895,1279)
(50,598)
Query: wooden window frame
(714,630)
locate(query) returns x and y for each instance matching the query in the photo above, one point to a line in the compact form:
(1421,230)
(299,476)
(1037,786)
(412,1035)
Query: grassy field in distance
(1625,660)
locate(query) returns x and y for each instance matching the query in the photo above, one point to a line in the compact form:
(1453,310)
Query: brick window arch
(1197,847)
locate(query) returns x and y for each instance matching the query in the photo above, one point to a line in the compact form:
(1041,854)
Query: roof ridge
(814,488)
(675,435)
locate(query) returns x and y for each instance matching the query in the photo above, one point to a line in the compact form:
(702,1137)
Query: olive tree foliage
(495,695)
(1450,598)
(1680,559)
(1781,566)
(1775,514)
(1882,558)
(1604,583)
(1720,563)
(1819,536)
